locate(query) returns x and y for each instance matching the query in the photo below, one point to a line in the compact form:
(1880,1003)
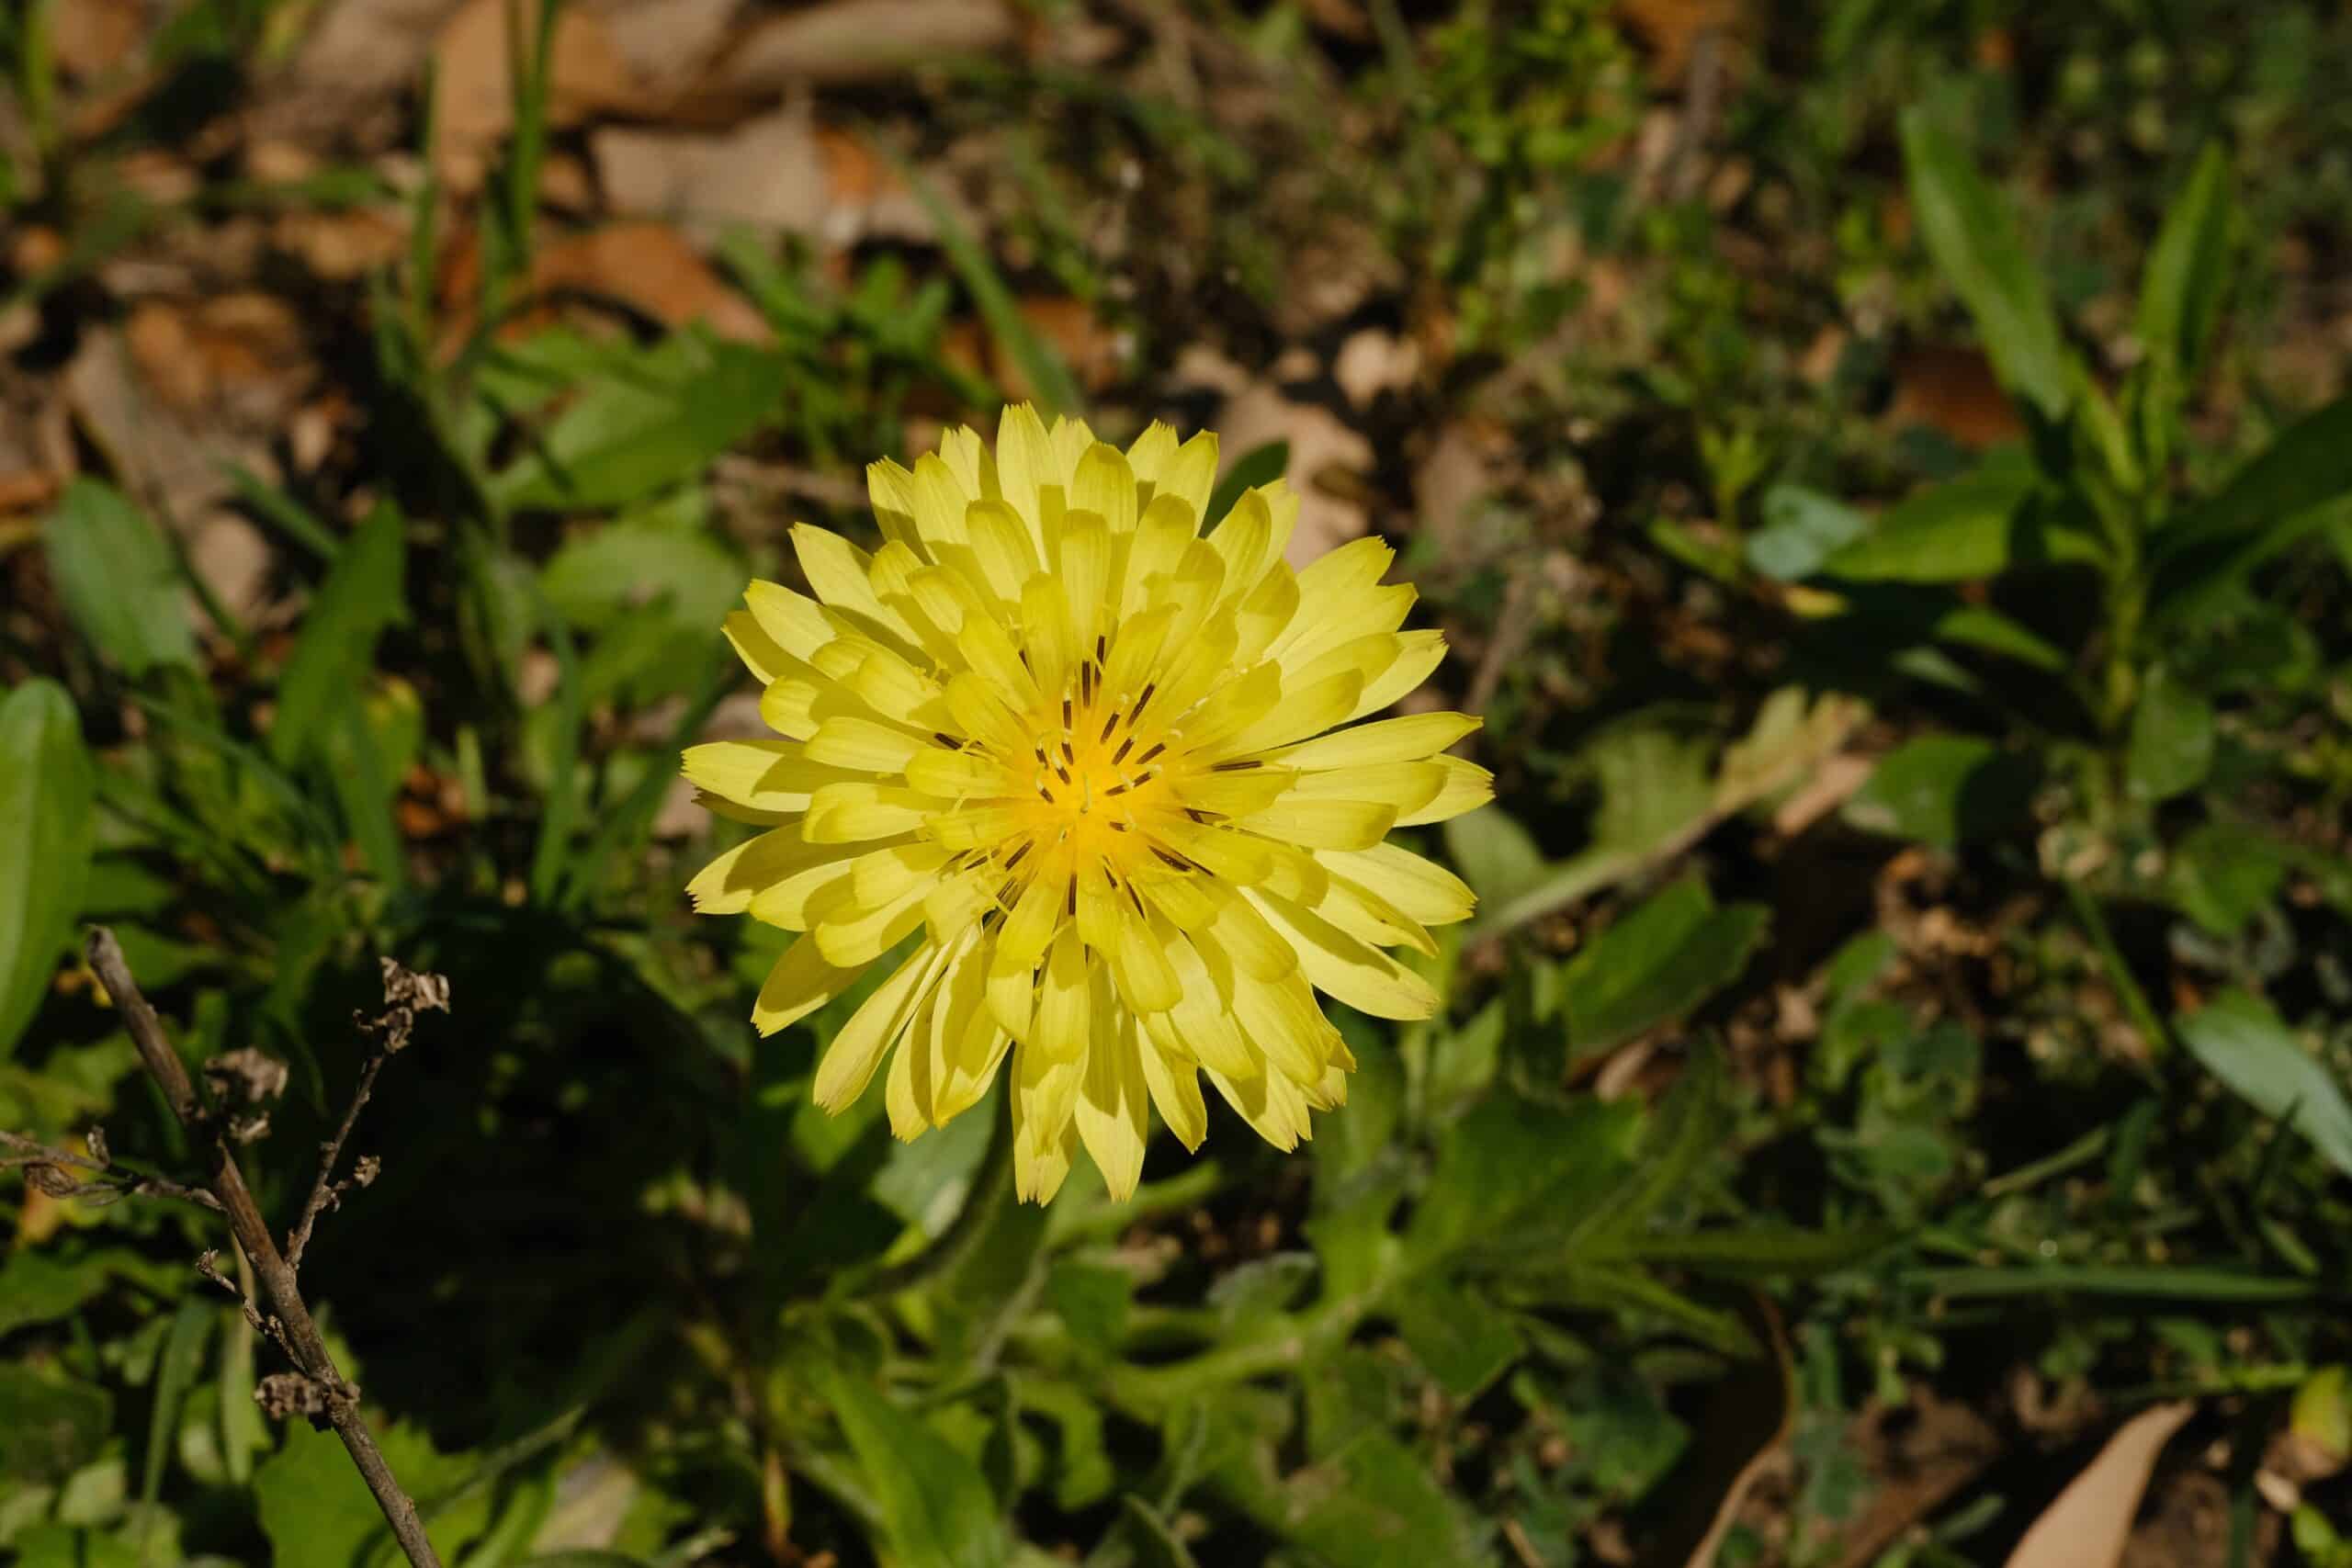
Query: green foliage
(45,837)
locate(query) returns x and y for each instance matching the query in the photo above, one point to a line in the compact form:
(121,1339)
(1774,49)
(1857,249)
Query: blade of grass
(627,826)
(1051,384)
(562,808)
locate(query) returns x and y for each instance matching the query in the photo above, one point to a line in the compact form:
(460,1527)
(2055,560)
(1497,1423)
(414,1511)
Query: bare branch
(290,1320)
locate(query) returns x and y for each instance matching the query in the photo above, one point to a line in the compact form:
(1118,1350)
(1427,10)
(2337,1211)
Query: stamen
(1124,746)
(1109,725)
(1179,862)
(1026,845)
(1101,650)
(1158,746)
(1206,818)
(946,739)
(1120,788)
(1069,909)
(1141,700)
(1065,712)
(1235,767)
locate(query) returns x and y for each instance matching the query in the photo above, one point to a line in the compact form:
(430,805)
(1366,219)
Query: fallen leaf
(651,267)
(1200,367)
(1449,489)
(232,559)
(1372,362)
(90,38)
(1920,1453)
(360,55)
(846,41)
(1672,30)
(2090,1521)
(1952,391)
(1318,442)
(669,42)
(1095,354)
(474,100)
(28,489)
(338,246)
(1742,1439)
(779,172)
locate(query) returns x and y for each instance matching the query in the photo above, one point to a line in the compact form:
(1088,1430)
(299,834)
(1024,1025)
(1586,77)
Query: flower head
(1083,751)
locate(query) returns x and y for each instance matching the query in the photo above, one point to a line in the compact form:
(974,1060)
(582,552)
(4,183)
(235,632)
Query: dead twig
(52,1171)
(322,1389)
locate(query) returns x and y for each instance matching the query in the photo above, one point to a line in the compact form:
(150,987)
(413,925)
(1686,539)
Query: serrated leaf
(1463,1341)
(46,787)
(1498,857)
(120,585)
(2243,1043)
(1973,236)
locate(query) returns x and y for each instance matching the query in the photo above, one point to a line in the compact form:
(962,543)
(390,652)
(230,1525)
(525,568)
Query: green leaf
(1498,857)
(1462,1340)
(69,1546)
(50,1425)
(45,837)
(1140,1538)
(645,428)
(2274,500)
(2187,274)
(940,1511)
(38,1287)
(1657,963)
(318,1513)
(120,585)
(1375,1502)
(1801,529)
(1958,531)
(182,1357)
(2155,1282)
(1943,790)
(618,570)
(1973,235)
(1764,1250)
(2171,746)
(1259,466)
(2246,1045)
(2220,875)
(362,596)
(1509,1159)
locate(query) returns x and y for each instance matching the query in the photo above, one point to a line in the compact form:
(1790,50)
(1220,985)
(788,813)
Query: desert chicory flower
(1083,751)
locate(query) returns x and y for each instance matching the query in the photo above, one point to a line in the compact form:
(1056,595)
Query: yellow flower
(1082,749)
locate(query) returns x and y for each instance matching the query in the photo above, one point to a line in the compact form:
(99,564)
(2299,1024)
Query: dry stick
(277,1278)
(325,1190)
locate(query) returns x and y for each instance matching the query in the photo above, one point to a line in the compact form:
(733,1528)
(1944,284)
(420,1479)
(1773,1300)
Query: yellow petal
(799,984)
(1467,787)
(1407,739)
(727,885)
(1044,1142)
(848,1061)
(1270,1102)
(1406,786)
(1102,483)
(768,775)
(866,744)
(858,935)
(1241,539)
(939,502)
(1145,979)
(1190,474)
(1174,1084)
(1254,946)
(1281,1020)
(1324,823)
(994,659)
(958,775)
(841,813)
(1065,1005)
(1111,1115)
(1421,888)
(1417,660)
(1339,965)
(890,490)
(1235,793)
(1304,710)
(760,652)
(794,622)
(1024,463)
(837,570)
(1002,546)
(1048,634)
(1150,454)
(1029,929)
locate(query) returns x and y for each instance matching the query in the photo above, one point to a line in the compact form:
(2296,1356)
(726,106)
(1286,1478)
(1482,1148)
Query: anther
(1234,767)
(1125,747)
(1158,746)
(1109,725)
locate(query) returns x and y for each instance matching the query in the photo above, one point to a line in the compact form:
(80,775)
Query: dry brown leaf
(777,173)
(1372,362)
(340,246)
(668,41)
(90,38)
(653,269)
(2090,1521)
(355,59)
(1318,442)
(474,88)
(1450,486)
(1952,391)
(1095,354)
(843,42)
(1919,1454)
(1672,30)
